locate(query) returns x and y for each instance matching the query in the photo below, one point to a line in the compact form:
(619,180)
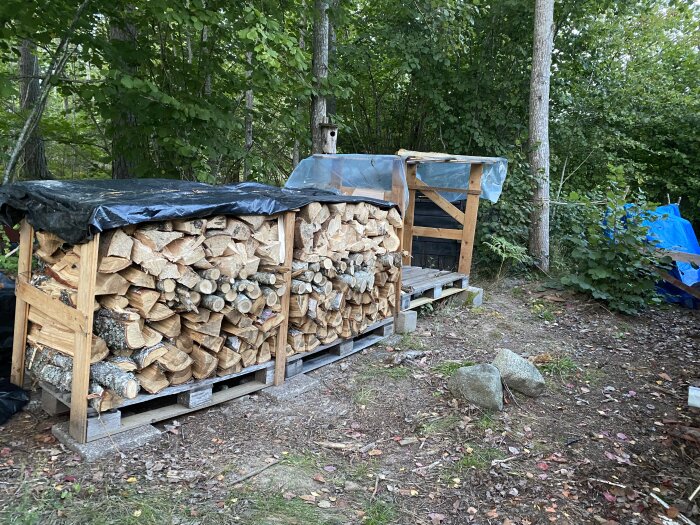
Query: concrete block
(475,296)
(195,398)
(471,297)
(107,423)
(405,322)
(291,388)
(106,446)
(51,405)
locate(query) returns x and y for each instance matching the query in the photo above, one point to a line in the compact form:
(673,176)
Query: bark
(320,73)
(248,117)
(539,131)
(33,155)
(125,152)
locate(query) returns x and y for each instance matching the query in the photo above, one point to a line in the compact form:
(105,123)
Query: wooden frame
(79,320)
(467,219)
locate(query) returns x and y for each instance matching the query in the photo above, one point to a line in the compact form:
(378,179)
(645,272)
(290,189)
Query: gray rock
(351,486)
(519,373)
(480,385)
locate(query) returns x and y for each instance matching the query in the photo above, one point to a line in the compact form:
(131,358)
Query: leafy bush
(609,254)
(8,256)
(507,251)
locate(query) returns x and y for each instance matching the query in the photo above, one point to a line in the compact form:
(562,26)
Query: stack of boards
(184,300)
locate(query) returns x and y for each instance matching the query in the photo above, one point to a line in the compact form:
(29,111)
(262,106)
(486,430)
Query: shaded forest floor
(381,441)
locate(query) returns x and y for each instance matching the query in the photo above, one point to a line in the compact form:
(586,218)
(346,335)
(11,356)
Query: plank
(409,216)
(426,156)
(695,292)
(437,233)
(681,256)
(24,271)
(83,339)
(442,202)
(470,214)
(51,307)
(281,352)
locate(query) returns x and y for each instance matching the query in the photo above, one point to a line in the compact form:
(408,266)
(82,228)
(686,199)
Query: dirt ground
(381,441)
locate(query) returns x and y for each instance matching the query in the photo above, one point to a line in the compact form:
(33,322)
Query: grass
(439,426)
(374,372)
(72,506)
(304,461)
(379,513)
(485,422)
(448,368)
(410,342)
(543,311)
(364,396)
(480,458)
(561,366)
(363,470)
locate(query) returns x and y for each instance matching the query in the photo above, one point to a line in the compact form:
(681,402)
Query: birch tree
(539,131)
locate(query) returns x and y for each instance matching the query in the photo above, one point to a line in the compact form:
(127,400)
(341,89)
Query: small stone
(351,486)
(519,373)
(409,441)
(480,385)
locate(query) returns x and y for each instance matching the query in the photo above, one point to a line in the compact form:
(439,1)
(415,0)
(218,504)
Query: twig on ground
(255,472)
(666,506)
(606,482)
(510,393)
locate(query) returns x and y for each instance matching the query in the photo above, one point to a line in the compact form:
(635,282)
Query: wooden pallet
(330,353)
(421,286)
(169,403)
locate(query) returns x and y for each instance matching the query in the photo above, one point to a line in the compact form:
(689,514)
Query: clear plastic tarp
(456,175)
(377,176)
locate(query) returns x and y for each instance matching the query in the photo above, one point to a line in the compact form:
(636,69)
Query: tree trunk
(33,154)
(125,154)
(331,100)
(248,117)
(539,131)
(320,73)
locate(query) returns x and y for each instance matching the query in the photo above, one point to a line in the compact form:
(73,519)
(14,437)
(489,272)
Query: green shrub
(608,254)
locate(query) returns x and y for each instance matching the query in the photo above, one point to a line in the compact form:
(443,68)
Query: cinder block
(294,368)
(474,296)
(195,398)
(405,322)
(106,446)
(51,405)
(291,388)
(104,424)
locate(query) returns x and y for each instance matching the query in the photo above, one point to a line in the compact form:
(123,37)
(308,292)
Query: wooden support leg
(407,236)
(83,340)
(24,272)
(470,214)
(281,351)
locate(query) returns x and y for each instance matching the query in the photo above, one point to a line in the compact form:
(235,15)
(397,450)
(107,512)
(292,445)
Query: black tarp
(75,210)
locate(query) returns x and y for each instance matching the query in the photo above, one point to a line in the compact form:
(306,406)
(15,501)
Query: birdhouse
(330,137)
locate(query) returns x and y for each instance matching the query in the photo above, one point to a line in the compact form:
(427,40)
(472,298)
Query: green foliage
(610,256)
(448,368)
(9,256)
(560,366)
(507,251)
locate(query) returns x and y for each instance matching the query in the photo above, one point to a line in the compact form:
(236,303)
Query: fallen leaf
(542,465)
(309,498)
(375,452)
(672,512)
(435,518)
(132,479)
(319,478)
(665,376)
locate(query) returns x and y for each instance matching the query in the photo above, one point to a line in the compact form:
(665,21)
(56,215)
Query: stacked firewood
(175,301)
(345,272)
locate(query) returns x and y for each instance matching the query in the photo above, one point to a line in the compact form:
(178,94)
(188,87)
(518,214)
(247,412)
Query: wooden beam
(423,156)
(407,237)
(437,233)
(441,201)
(695,292)
(470,214)
(281,350)
(50,306)
(24,271)
(83,340)
(681,256)
(440,188)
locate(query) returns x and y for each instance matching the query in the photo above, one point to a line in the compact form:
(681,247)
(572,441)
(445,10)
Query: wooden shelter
(472,187)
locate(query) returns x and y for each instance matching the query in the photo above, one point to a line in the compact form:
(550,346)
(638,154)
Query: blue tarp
(673,232)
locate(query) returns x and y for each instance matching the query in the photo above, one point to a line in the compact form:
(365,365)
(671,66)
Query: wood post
(24,272)
(281,350)
(470,214)
(407,236)
(83,340)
